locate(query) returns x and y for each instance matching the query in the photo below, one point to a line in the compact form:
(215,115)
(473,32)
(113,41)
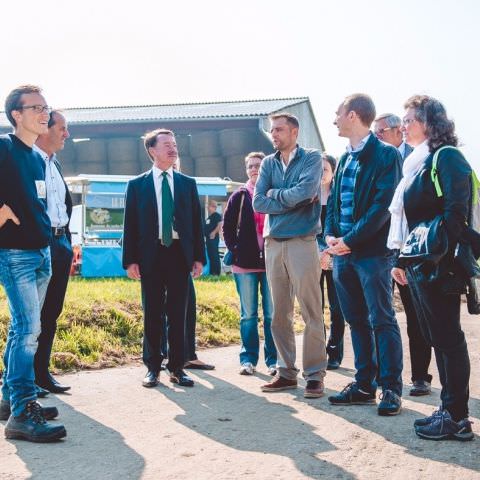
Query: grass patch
(101,324)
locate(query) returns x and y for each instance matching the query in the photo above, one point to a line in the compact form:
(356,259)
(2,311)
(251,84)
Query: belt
(59,231)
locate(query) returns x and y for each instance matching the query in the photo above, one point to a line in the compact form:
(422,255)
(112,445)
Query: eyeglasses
(381,131)
(253,165)
(36,108)
(408,121)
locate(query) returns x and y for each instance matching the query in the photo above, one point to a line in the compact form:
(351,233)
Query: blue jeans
(25,275)
(247,288)
(364,289)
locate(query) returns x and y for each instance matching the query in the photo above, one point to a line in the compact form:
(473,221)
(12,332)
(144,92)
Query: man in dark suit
(387,129)
(162,244)
(59,210)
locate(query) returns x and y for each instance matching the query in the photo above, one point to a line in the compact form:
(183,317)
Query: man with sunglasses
(25,269)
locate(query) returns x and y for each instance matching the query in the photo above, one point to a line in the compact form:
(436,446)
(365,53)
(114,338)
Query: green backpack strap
(434,174)
(476,187)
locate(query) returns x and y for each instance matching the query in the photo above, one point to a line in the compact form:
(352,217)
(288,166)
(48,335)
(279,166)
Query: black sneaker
(421,422)
(420,388)
(333,365)
(443,427)
(390,403)
(352,395)
(48,412)
(31,425)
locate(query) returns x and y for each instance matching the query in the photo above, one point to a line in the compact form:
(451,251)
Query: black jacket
(22,178)
(421,202)
(246,253)
(140,234)
(68,201)
(378,174)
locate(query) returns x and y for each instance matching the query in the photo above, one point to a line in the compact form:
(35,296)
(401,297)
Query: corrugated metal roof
(185,111)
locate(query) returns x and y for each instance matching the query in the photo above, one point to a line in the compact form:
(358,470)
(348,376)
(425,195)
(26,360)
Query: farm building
(213,138)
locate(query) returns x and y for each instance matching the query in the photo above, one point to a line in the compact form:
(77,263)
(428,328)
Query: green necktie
(167,211)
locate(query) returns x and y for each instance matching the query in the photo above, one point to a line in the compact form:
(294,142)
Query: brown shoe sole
(264,388)
(308,394)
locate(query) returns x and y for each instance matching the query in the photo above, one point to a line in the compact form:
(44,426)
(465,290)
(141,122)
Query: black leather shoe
(181,378)
(48,412)
(52,386)
(31,425)
(151,379)
(41,392)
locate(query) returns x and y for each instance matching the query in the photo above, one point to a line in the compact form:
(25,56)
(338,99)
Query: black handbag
(229,258)
(427,242)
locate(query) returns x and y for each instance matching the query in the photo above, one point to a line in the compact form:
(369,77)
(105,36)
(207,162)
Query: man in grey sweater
(288,190)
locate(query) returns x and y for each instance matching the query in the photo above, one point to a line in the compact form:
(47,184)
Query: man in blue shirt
(59,210)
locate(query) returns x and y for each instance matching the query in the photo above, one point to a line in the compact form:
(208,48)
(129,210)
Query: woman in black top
(437,301)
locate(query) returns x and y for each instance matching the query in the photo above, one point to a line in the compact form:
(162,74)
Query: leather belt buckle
(58,231)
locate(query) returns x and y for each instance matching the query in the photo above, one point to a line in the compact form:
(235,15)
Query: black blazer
(140,229)
(68,201)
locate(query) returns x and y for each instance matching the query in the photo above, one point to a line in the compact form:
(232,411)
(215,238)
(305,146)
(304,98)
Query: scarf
(399,227)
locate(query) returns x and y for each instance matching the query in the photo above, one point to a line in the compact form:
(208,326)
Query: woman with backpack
(436,289)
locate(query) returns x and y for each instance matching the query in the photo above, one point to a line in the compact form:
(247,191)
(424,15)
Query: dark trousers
(213,256)
(439,319)
(364,290)
(62,255)
(420,350)
(337,324)
(165,289)
(190,326)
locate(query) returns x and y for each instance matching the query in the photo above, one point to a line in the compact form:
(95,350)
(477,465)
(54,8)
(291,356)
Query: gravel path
(226,428)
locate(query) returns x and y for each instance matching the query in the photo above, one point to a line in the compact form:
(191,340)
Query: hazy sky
(103,52)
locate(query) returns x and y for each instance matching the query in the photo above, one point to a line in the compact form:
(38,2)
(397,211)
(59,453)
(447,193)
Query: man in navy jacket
(162,244)
(356,231)
(24,263)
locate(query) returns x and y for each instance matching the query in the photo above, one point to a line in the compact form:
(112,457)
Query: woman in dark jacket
(243,235)
(437,301)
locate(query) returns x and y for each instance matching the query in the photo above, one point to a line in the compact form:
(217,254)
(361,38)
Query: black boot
(48,412)
(31,425)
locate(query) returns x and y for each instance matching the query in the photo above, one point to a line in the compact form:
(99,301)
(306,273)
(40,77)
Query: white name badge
(207,221)
(41,188)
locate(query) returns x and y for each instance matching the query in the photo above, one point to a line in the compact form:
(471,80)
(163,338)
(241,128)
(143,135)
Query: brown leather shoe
(314,389)
(279,384)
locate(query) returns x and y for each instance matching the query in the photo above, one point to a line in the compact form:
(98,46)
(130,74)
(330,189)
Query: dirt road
(226,428)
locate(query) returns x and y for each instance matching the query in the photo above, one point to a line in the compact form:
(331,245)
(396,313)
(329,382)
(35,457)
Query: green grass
(101,324)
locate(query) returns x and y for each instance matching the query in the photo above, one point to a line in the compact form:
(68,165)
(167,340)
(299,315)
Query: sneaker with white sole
(443,427)
(247,368)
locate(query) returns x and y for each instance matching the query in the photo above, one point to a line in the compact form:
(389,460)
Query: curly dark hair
(440,130)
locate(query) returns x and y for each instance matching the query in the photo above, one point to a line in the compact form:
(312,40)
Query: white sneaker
(272,370)
(247,369)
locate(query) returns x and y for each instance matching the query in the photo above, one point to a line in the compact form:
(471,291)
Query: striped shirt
(347,187)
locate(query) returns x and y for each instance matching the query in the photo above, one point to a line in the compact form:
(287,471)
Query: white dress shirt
(56,191)
(157,182)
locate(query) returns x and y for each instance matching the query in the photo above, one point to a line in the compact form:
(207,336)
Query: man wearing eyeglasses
(59,209)
(24,263)
(387,129)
